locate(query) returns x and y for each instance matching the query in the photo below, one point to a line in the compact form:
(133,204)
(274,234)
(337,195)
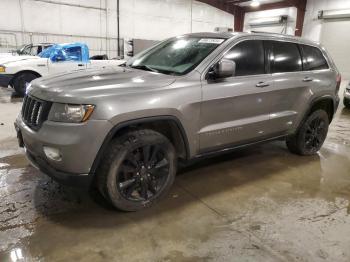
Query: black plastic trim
(69,179)
(121,125)
(231,148)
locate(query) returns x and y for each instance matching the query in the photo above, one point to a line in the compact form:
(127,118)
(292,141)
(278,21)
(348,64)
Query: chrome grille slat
(35,111)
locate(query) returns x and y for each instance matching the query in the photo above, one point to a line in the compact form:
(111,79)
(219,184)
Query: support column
(301,8)
(238,13)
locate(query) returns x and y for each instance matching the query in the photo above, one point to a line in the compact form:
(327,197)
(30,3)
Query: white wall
(312,25)
(160,19)
(38,21)
(291,12)
(95,21)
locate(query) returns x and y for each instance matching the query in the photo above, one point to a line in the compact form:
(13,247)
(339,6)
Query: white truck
(19,71)
(28,49)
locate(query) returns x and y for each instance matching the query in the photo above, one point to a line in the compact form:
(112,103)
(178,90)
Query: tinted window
(313,58)
(249,58)
(286,57)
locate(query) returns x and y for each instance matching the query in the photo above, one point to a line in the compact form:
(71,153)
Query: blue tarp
(67,52)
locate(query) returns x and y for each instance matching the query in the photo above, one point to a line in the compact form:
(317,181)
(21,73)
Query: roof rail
(271,33)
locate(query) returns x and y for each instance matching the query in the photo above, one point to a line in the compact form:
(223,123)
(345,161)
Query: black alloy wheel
(311,135)
(143,173)
(138,168)
(316,132)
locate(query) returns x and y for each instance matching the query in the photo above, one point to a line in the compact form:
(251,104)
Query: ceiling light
(254,3)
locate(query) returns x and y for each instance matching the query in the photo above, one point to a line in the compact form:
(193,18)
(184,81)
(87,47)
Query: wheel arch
(324,102)
(161,124)
(23,72)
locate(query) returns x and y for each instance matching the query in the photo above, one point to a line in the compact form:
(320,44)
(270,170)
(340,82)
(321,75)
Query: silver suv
(125,129)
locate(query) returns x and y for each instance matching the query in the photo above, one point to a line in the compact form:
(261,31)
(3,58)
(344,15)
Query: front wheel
(311,135)
(138,169)
(21,82)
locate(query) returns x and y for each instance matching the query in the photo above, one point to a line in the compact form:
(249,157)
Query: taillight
(338,83)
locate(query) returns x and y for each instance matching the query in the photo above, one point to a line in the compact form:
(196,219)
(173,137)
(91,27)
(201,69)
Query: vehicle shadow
(206,178)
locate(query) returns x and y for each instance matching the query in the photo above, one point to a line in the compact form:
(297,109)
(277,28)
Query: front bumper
(76,180)
(77,143)
(5,79)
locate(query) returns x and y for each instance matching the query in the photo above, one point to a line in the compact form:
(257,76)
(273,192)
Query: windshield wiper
(144,67)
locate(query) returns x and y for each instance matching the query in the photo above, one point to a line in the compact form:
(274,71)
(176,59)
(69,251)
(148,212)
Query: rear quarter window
(313,58)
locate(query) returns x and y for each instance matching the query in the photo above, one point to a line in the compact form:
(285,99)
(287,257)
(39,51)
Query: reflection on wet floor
(259,203)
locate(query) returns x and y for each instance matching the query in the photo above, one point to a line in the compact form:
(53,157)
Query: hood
(15,58)
(89,84)
(2,55)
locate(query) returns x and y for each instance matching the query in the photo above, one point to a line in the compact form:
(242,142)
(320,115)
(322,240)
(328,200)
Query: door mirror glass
(224,68)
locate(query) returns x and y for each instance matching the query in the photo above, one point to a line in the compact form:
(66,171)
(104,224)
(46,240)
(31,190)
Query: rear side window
(249,57)
(313,58)
(285,57)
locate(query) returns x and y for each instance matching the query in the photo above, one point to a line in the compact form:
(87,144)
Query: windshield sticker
(216,41)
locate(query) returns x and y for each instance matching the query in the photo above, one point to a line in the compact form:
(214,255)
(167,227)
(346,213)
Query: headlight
(2,69)
(70,113)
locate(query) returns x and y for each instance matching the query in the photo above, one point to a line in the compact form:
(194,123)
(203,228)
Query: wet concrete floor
(257,204)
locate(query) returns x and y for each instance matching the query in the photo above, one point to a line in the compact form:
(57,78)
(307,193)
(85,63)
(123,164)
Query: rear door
(236,109)
(291,84)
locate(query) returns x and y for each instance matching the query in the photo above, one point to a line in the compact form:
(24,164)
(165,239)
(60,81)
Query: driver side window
(249,57)
(58,56)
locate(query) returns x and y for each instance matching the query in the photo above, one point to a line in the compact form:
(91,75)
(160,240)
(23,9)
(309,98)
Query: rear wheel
(311,135)
(21,82)
(138,169)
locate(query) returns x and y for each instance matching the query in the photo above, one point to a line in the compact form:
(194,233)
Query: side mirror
(224,68)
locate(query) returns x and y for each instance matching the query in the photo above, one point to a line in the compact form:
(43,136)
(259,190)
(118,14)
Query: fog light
(52,153)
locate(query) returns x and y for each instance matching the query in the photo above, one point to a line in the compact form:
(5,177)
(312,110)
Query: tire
(346,102)
(123,180)
(20,82)
(310,135)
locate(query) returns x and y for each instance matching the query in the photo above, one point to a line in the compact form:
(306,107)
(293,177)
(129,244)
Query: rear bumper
(5,79)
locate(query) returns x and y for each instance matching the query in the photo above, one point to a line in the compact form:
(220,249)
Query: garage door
(335,36)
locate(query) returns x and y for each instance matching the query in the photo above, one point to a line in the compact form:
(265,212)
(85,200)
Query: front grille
(35,111)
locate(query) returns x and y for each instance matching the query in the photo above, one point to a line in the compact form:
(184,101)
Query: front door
(66,59)
(236,109)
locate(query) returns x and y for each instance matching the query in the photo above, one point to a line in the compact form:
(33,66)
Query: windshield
(176,56)
(20,49)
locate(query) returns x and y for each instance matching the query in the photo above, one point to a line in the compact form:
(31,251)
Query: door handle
(307,79)
(80,64)
(262,84)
